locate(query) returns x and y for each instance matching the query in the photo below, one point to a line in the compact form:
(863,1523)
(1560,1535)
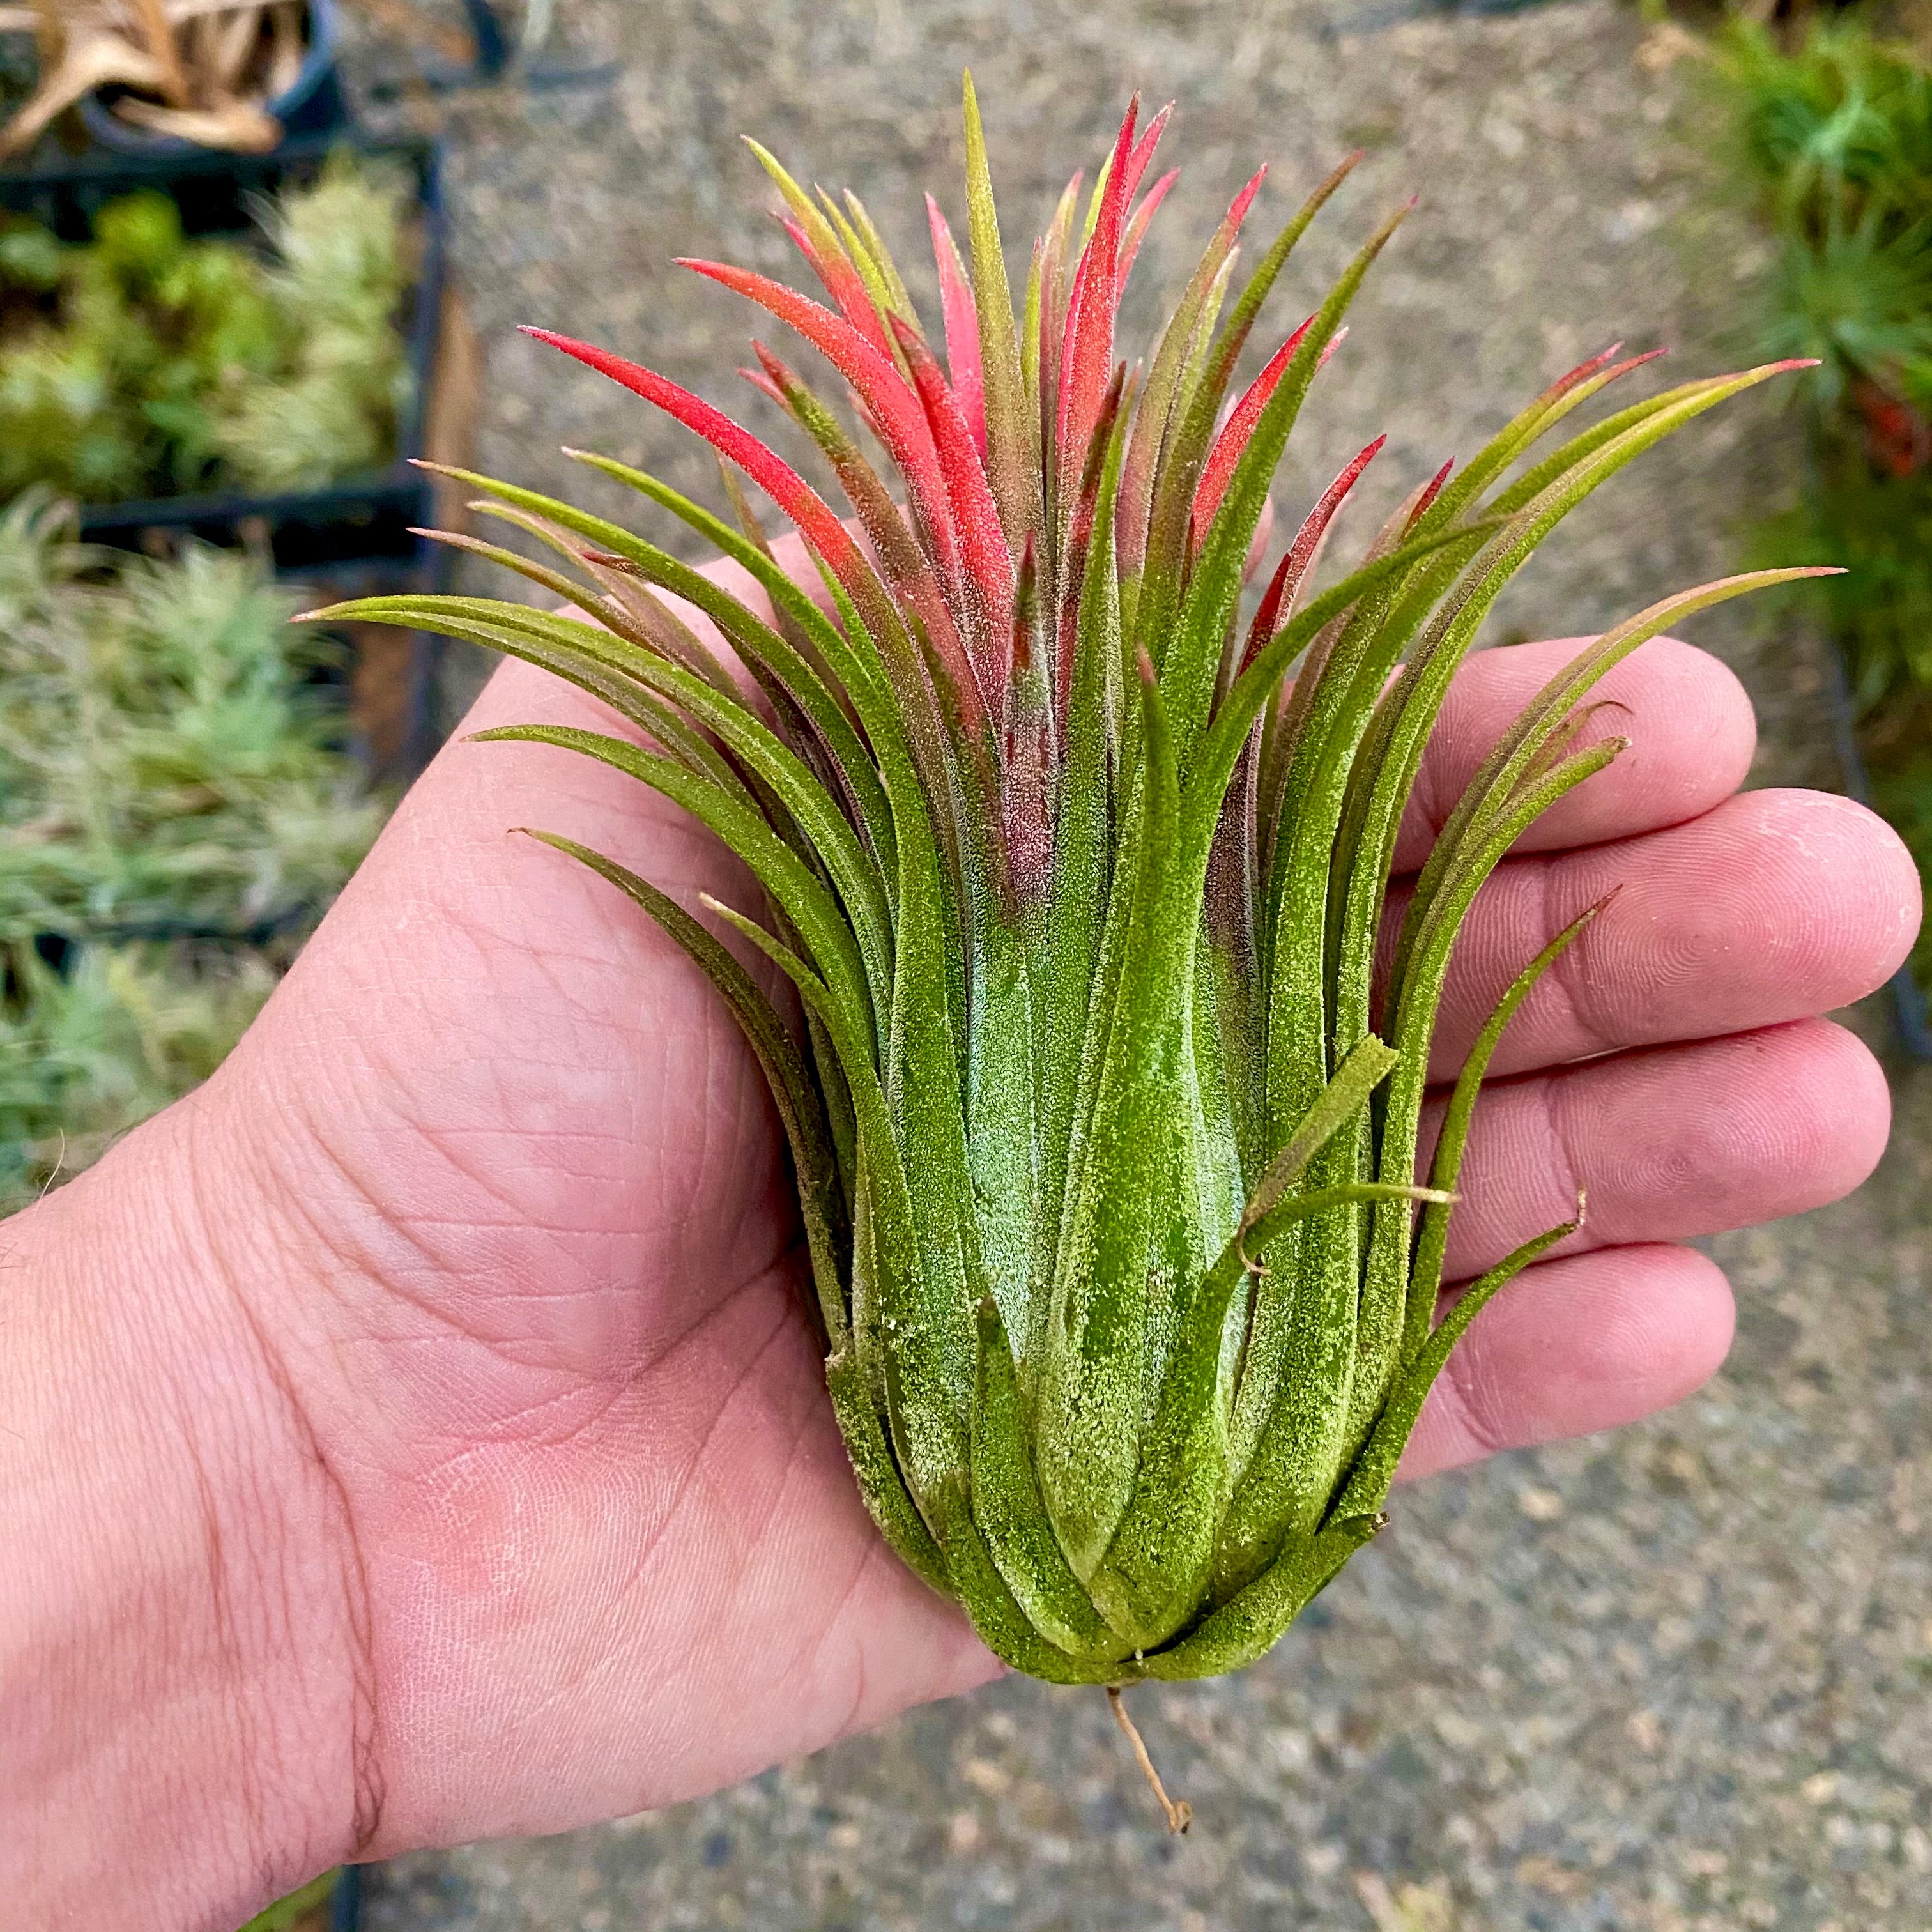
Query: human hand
(489,1398)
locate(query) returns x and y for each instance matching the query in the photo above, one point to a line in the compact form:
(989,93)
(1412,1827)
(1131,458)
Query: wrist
(180,1685)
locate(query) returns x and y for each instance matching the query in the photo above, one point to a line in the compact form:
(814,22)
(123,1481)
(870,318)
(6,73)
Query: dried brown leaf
(151,18)
(98,60)
(239,125)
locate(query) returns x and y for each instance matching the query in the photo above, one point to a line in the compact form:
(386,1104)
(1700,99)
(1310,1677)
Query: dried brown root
(1179,1813)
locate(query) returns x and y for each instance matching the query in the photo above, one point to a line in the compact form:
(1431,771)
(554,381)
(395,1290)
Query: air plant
(1106,1135)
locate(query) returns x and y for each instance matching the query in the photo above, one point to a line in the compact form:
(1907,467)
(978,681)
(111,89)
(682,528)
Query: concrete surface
(1677,1679)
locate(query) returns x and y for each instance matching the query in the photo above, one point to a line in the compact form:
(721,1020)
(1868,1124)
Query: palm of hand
(562,1372)
(605,1549)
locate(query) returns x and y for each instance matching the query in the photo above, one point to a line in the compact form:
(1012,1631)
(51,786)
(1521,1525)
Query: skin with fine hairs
(417,1434)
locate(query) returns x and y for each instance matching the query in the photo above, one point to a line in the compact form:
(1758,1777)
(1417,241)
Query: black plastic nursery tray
(352,538)
(362,518)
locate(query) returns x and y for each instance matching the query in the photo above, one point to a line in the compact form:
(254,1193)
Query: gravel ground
(1676,1679)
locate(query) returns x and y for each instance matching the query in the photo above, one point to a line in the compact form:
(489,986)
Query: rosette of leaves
(1106,1140)
(339,269)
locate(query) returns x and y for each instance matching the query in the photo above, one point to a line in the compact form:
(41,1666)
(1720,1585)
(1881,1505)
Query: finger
(1773,906)
(1573,1346)
(1690,724)
(1672,1143)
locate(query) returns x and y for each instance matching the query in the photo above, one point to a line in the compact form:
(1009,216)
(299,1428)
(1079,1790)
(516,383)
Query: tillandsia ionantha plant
(1105,1136)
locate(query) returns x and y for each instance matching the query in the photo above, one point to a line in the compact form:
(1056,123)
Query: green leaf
(1011,465)
(851,866)
(911,1330)
(764,649)
(1369,1482)
(1156,1570)
(1214,589)
(1426,1275)
(1414,1000)
(604,664)
(1517,749)
(806,902)
(1011,1517)
(1090,1401)
(1250,1624)
(1066,955)
(285,1913)
(801,1112)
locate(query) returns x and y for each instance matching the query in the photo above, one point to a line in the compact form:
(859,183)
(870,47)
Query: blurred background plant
(1830,128)
(88,1053)
(204,71)
(177,804)
(144,362)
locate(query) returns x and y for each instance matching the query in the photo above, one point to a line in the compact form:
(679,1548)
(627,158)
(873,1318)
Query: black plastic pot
(312,106)
(361,517)
(353,537)
(1909,1005)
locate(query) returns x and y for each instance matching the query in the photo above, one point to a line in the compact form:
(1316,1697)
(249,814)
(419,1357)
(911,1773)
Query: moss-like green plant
(1106,1148)
(144,363)
(174,809)
(341,271)
(164,768)
(92,1049)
